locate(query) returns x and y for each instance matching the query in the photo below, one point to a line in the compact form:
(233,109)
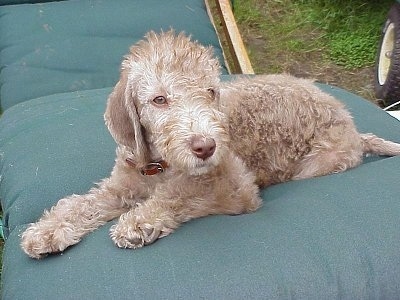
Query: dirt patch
(309,65)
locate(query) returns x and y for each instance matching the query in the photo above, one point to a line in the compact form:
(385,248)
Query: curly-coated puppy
(190,146)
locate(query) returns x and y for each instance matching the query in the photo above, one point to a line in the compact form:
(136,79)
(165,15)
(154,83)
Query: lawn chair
(331,237)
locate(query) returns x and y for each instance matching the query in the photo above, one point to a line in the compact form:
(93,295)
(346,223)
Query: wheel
(387,73)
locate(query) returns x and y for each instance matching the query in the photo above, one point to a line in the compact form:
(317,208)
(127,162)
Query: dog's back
(286,128)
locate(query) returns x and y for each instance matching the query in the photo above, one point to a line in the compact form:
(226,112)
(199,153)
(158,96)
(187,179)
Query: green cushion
(48,132)
(325,238)
(57,47)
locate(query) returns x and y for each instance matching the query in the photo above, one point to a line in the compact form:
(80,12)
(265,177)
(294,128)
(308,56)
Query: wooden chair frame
(240,62)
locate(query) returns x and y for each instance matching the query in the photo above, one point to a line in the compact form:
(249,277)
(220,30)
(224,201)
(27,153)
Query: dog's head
(165,104)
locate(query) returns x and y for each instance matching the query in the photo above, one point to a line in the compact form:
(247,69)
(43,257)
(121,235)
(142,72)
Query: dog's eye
(160,100)
(212,92)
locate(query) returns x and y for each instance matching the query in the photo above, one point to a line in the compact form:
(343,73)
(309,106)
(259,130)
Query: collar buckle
(153,168)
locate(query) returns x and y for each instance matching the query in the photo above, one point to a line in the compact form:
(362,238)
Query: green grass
(344,32)
(352,29)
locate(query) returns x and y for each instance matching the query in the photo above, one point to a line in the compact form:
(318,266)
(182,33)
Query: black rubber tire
(387,87)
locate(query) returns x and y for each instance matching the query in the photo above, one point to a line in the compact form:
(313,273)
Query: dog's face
(166,103)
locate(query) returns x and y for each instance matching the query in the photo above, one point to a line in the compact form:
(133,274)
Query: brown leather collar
(152,168)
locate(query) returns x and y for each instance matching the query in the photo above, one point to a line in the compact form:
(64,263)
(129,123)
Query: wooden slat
(235,43)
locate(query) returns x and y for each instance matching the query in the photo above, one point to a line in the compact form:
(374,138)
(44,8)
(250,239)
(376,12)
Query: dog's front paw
(135,236)
(134,232)
(38,240)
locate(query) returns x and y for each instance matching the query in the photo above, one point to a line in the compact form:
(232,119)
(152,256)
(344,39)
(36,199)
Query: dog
(191,146)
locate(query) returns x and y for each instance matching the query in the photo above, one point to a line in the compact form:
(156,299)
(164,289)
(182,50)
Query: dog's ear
(122,120)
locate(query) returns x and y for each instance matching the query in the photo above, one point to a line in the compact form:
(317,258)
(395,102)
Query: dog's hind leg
(324,162)
(334,151)
(337,155)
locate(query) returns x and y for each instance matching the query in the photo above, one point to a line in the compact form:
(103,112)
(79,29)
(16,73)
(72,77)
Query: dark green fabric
(334,237)
(47,134)
(67,46)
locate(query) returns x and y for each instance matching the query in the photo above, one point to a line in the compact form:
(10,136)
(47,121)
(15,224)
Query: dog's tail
(378,146)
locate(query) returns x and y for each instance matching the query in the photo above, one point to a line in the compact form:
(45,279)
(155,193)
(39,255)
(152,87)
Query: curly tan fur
(220,140)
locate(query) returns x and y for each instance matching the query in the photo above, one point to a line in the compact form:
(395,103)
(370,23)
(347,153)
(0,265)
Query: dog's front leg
(179,201)
(70,219)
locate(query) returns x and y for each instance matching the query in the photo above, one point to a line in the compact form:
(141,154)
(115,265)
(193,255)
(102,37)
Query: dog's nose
(202,147)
